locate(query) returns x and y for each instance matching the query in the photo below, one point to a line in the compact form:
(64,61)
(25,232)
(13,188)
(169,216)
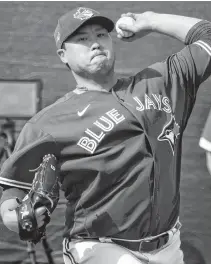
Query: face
(89,50)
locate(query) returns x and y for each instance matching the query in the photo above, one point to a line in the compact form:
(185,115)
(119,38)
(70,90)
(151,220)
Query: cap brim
(101,20)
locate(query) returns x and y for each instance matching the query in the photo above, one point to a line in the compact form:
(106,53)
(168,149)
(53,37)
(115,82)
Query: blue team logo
(170,132)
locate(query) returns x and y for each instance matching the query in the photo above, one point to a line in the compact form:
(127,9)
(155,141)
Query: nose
(95,46)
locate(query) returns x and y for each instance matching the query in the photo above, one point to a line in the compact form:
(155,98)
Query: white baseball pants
(94,252)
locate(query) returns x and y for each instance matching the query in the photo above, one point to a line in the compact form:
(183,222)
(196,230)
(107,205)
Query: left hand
(141,27)
(40,216)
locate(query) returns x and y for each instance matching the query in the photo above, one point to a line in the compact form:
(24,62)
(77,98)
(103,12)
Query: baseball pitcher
(117,141)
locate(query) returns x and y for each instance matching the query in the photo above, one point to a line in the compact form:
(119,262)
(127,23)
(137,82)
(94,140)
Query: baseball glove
(44,192)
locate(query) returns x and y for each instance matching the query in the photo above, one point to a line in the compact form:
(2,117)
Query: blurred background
(28,52)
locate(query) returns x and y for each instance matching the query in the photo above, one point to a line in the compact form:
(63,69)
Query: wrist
(150,18)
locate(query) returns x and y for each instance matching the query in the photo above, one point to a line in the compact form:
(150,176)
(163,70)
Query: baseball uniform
(119,151)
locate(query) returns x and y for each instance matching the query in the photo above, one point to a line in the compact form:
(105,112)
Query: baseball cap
(71,21)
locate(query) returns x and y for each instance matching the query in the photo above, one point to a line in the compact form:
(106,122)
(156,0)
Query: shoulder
(127,82)
(60,106)
(155,70)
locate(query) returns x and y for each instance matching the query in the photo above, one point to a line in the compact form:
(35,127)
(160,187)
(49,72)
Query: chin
(103,68)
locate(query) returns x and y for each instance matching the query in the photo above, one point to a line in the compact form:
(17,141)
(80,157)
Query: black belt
(147,245)
(143,245)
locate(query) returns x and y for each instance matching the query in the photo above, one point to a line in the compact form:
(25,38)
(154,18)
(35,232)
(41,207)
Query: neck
(98,83)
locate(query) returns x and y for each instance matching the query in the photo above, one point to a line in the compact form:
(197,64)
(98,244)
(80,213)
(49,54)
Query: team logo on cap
(83,13)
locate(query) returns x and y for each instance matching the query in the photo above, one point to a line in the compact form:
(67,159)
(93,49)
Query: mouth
(99,53)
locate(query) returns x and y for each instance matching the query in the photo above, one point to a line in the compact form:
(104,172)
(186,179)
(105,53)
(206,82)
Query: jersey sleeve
(192,65)
(184,71)
(205,139)
(32,144)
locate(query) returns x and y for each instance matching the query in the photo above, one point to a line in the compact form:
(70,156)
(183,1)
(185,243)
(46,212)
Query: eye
(101,35)
(81,39)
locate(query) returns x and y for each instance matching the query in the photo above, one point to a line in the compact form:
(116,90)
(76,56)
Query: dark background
(28,51)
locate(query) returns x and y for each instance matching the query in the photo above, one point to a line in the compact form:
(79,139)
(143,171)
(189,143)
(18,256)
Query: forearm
(8,214)
(174,26)
(8,205)
(12,193)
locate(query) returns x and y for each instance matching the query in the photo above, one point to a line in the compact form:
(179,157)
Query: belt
(142,245)
(146,244)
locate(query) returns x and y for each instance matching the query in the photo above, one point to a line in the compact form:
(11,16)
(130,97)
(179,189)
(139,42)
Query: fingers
(129,14)
(129,29)
(126,26)
(40,223)
(40,211)
(119,36)
(40,216)
(123,36)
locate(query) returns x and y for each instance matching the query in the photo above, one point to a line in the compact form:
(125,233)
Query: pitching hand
(141,27)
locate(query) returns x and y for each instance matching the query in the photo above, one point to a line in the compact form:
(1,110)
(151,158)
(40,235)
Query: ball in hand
(125,21)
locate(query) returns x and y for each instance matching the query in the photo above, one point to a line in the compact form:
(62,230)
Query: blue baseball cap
(71,21)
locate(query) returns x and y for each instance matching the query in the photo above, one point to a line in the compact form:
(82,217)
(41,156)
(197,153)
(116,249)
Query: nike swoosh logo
(81,113)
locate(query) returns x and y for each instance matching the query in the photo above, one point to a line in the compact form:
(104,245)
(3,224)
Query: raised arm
(174,26)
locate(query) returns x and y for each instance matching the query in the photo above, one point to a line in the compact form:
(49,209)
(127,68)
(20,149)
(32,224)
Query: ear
(62,54)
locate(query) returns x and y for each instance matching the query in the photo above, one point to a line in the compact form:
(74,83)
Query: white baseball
(126,21)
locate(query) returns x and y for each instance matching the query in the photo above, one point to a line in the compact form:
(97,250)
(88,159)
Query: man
(205,141)
(118,141)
